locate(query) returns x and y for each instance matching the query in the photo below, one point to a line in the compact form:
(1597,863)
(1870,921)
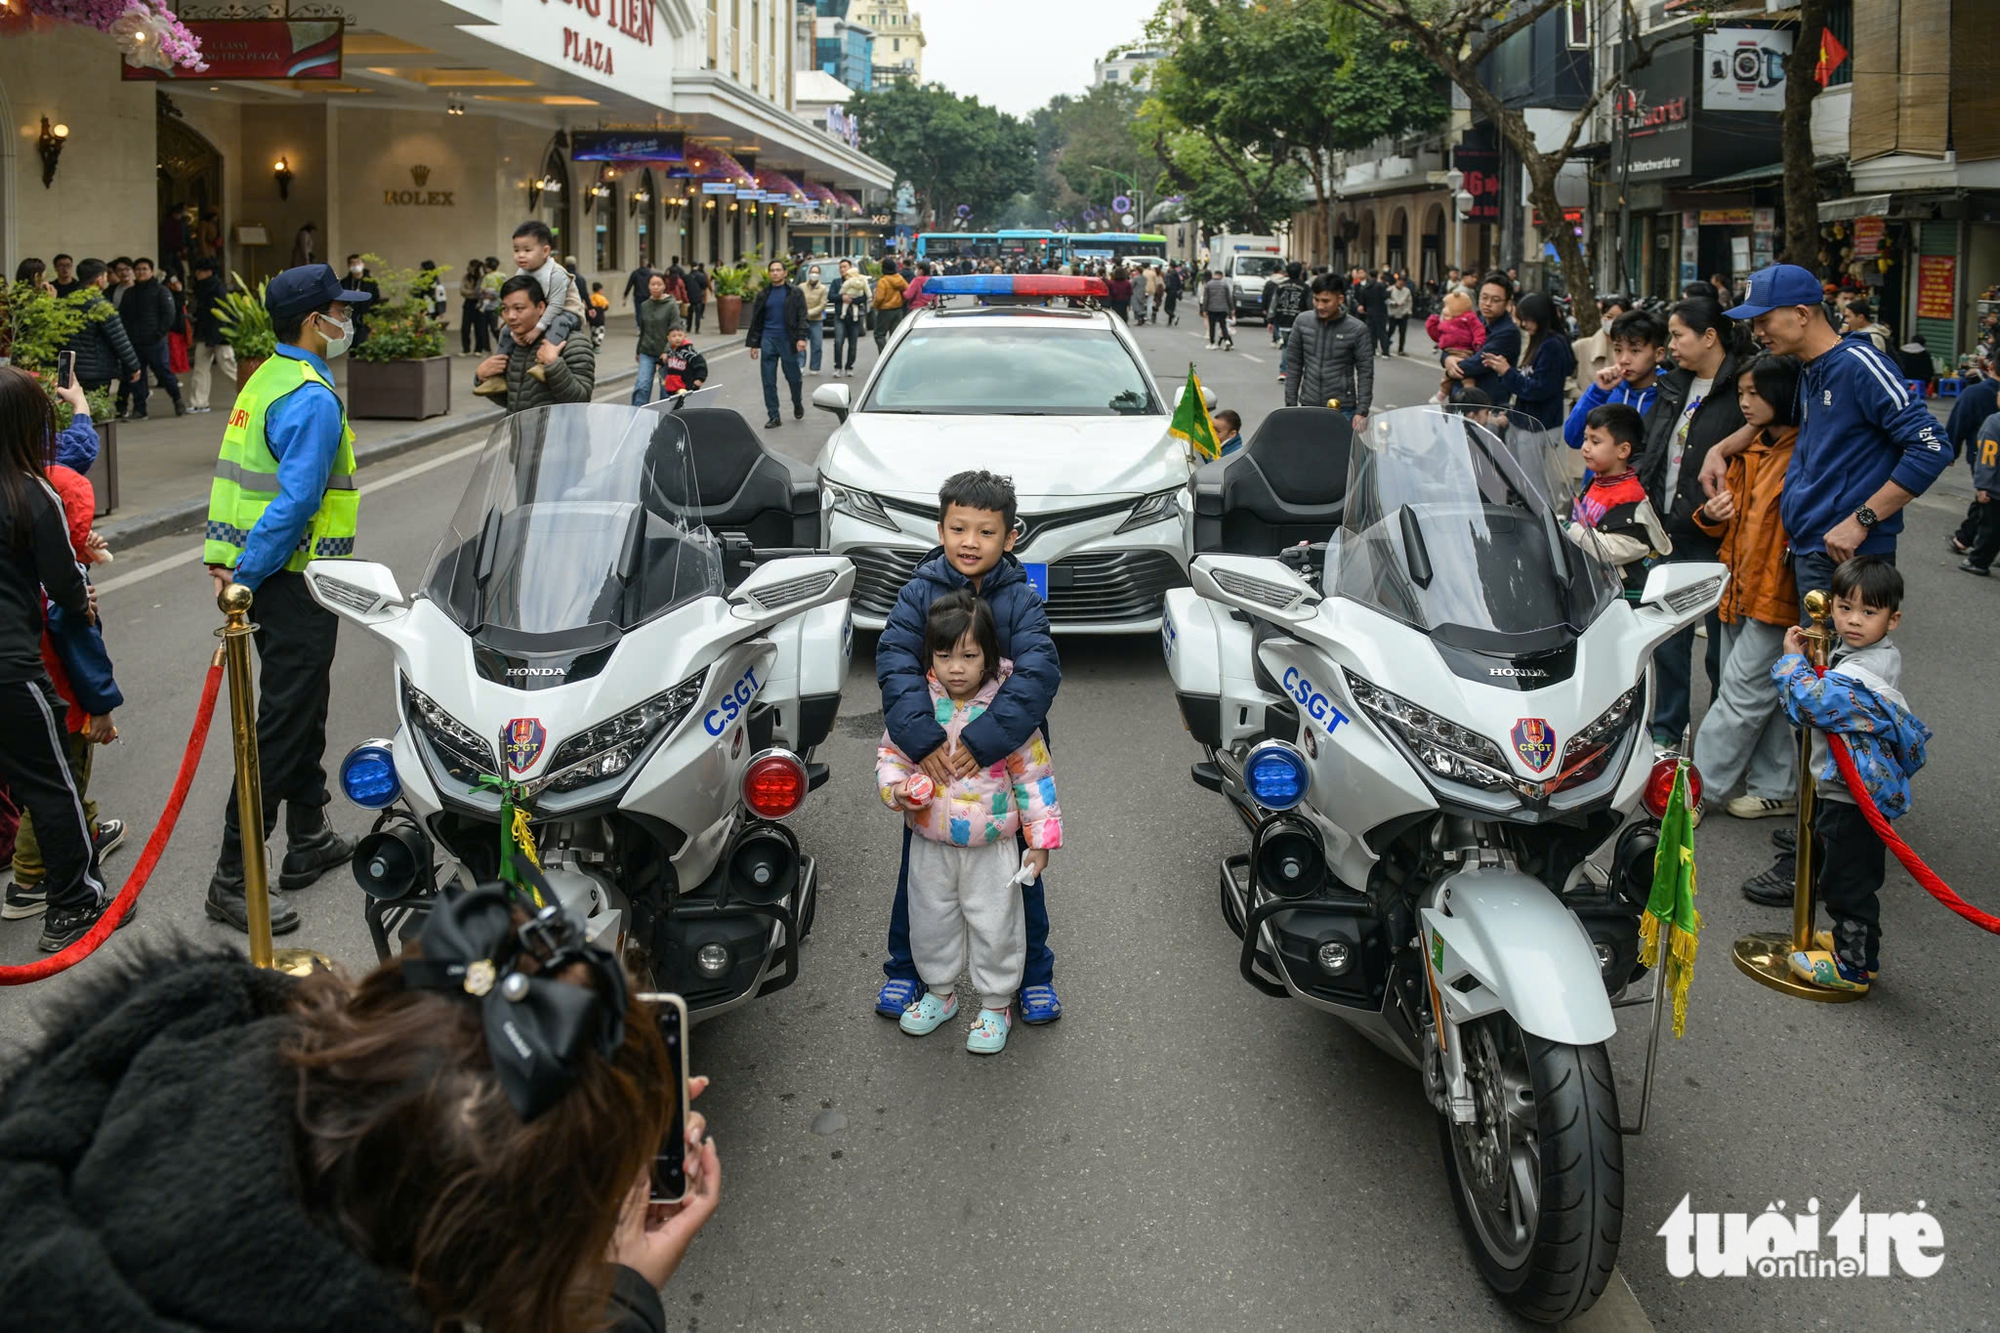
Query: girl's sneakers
(930,1013)
(989,1033)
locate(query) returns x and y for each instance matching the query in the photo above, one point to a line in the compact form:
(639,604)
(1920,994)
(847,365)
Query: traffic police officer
(284,494)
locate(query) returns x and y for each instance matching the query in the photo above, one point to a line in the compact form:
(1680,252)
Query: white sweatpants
(956,891)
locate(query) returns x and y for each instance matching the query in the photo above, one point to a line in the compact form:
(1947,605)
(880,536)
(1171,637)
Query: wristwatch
(1866,517)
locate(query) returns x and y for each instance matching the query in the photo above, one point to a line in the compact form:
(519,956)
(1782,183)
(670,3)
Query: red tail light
(775,784)
(1660,786)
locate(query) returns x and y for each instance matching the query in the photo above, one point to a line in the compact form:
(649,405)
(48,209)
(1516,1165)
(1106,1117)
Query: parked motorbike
(576,652)
(1431,722)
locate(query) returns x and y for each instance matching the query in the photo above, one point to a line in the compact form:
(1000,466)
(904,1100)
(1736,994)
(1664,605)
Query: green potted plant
(246,327)
(400,370)
(37,327)
(731,281)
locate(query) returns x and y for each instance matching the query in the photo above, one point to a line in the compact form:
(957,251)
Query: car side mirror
(833,398)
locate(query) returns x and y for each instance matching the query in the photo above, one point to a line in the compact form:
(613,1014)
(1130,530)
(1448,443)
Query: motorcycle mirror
(361,590)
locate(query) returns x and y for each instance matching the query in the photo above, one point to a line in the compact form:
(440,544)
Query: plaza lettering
(419,198)
(633,18)
(586,51)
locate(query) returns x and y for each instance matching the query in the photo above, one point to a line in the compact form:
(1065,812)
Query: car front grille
(1094,588)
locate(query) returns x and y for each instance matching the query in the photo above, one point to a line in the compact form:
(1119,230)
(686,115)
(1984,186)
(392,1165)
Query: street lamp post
(1461,204)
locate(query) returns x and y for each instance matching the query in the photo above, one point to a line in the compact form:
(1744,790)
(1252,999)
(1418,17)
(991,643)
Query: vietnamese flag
(1831,56)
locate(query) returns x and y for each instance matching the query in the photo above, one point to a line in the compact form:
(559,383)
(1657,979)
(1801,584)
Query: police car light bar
(1018,285)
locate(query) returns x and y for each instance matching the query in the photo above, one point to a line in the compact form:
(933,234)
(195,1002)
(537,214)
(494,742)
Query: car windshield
(1258,266)
(1455,525)
(580,522)
(987,368)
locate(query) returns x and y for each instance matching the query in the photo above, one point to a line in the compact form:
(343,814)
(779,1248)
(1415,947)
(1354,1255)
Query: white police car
(1058,399)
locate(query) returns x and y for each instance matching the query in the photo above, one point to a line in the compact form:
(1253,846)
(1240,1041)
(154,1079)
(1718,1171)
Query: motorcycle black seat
(744,487)
(1288,484)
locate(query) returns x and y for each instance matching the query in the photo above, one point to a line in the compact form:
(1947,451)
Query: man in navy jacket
(1867,446)
(1503,340)
(976,528)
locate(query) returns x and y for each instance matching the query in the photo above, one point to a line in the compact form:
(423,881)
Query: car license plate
(1038,579)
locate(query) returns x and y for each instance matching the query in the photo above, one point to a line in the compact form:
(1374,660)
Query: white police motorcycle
(598,643)
(1431,722)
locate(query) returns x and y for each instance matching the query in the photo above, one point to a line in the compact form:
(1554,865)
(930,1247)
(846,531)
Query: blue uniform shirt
(303,431)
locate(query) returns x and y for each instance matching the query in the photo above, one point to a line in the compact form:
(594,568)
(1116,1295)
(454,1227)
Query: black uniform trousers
(295,642)
(34,761)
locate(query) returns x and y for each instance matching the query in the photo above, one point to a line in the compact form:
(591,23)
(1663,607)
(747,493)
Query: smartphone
(65,369)
(670,1163)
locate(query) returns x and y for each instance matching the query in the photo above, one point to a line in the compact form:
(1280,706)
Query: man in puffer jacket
(1330,356)
(569,367)
(104,353)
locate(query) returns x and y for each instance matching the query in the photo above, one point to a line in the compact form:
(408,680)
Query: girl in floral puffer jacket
(965,874)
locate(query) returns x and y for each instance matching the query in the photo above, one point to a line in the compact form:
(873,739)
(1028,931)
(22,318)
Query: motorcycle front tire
(1581,1191)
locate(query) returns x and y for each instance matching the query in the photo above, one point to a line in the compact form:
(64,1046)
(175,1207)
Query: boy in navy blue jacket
(976,534)
(1638,345)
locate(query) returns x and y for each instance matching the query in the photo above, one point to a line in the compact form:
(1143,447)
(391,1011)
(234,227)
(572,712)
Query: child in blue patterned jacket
(1858,698)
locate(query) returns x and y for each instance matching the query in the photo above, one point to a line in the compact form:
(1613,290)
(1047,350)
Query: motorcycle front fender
(1497,939)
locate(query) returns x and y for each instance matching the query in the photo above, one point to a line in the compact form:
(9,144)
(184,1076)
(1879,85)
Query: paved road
(1181,1152)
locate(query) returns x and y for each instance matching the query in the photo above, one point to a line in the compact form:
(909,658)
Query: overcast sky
(1017,54)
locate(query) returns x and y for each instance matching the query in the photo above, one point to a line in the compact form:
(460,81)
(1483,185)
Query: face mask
(356,269)
(338,346)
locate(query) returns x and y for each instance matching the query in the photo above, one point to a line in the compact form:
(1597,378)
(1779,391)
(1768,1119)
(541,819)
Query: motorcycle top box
(1430,717)
(574,639)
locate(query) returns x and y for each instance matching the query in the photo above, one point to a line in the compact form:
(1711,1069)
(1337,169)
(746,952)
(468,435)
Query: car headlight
(462,752)
(1443,746)
(859,504)
(614,745)
(1155,508)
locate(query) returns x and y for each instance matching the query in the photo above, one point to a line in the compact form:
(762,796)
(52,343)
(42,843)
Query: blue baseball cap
(308,287)
(1777,286)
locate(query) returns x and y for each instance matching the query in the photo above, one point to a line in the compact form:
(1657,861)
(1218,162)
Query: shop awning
(1854,206)
(819,193)
(772,181)
(705,161)
(846,201)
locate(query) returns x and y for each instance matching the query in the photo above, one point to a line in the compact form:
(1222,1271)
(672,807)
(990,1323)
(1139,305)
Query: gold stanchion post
(1765,956)
(235,635)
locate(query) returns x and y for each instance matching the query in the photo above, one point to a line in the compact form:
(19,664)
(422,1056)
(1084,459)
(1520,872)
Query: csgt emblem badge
(522,741)
(1535,742)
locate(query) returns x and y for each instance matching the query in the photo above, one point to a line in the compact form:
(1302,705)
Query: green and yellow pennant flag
(1192,421)
(1671,906)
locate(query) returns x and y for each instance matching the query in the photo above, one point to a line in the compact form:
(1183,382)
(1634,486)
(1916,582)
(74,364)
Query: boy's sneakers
(989,1033)
(64,926)
(1971,568)
(1761,807)
(930,1013)
(1825,970)
(1823,939)
(896,995)
(1039,1005)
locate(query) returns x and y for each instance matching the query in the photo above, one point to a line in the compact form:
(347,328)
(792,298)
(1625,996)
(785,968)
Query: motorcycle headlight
(1154,508)
(1443,746)
(858,504)
(614,745)
(459,750)
(1609,726)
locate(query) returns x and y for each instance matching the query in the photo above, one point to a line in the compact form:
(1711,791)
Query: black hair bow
(537,1027)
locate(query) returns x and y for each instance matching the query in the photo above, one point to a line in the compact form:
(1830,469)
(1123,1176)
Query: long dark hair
(1703,315)
(27,432)
(1776,379)
(410,1151)
(1540,308)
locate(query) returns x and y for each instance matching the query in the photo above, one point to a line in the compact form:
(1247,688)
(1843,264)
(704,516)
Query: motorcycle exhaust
(394,860)
(1291,862)
(763,865)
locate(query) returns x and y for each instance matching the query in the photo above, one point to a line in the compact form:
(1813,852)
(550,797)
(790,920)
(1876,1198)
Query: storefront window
(556,202)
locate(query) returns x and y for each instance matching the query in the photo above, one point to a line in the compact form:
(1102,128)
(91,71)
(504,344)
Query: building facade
(843,46)
(1126,64)
(899,39)
(646,134)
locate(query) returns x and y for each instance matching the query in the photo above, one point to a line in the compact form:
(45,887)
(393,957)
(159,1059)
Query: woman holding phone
(201,1144)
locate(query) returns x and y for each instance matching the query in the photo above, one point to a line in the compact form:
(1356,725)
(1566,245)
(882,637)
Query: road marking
(1249,356)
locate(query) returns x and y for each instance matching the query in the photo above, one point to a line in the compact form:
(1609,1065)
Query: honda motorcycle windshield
(1458,525)
(582,520)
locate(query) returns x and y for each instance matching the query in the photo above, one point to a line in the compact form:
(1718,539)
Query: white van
(1247,262)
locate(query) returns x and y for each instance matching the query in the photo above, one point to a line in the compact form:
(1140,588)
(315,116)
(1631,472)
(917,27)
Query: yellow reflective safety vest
(246,475)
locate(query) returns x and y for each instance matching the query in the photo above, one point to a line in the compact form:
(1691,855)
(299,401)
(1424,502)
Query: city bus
(1116,246)
(949,246)
(1042,246)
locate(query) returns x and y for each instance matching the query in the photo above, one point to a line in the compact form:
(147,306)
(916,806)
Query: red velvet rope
(121,906)
(1913,863)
